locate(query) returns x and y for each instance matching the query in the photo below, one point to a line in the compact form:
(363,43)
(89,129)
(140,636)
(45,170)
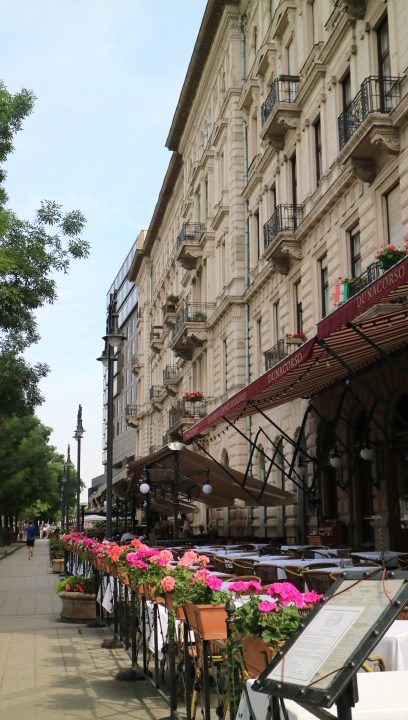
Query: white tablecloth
(393,647)
(281,563)
(390,556)
(382,696)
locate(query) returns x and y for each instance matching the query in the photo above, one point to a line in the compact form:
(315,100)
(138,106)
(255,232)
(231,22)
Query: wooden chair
(318,581)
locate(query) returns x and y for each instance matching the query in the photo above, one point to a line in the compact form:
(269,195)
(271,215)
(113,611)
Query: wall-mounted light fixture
(335,459)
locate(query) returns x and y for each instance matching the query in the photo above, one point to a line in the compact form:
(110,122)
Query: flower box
(208,621)
(256,654)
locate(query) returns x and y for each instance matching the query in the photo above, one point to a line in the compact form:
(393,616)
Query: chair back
(267,574)
(243,566)
(222,564)
(270,550)
(318,581)
(295,576)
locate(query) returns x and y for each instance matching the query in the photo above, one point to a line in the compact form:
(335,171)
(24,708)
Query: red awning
(379,310)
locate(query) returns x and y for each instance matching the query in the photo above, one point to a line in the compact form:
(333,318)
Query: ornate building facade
(288,171)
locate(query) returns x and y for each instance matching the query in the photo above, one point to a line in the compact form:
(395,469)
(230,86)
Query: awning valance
(379,311)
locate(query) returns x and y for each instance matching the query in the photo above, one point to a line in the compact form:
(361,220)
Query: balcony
(132,415)
(285,346)
(188,244)
(169,313)
(137,363)
(279,240)
(365,126)
(171,376)
(189,331)
(279,112)
(186,413)
(157,394)
(156,338)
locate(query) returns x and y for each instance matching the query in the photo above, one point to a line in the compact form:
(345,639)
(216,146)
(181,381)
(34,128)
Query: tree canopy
(31,253)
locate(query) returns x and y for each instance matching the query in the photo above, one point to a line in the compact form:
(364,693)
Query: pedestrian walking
(31,531)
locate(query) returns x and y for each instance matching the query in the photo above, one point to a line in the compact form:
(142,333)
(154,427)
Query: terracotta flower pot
(256,654)
(77,607)
(208,621)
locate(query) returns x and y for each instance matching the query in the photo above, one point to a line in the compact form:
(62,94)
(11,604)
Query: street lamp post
(78,435)
(65,511)
(63,484)
(112,339)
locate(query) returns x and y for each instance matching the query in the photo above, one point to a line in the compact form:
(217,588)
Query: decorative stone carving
(355,9)
(292,250)
(288,119)
(386,139)
(365,170)
(281,265)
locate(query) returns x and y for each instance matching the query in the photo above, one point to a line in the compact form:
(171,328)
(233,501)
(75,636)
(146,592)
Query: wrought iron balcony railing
(191,232)
(275,354)
(191,312)
(284,89)
(155,392)
(377,94)
(185,409)
(132,410)
(372,273)
(285,217)
(170,373)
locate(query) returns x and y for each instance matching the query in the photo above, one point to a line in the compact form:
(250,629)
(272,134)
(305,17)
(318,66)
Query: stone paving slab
(51,669)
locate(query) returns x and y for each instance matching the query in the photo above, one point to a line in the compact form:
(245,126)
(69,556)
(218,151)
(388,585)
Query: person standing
(31,531)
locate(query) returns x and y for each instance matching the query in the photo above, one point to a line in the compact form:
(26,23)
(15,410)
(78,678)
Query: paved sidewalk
(52,670)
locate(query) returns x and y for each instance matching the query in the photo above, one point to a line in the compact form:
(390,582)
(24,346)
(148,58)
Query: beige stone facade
(288,171)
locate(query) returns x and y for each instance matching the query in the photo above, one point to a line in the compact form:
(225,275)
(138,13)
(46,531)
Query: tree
(30,255)
(25,457)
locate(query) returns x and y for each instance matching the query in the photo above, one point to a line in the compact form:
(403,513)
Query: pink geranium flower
(168,583)
(214,583)
(266,606)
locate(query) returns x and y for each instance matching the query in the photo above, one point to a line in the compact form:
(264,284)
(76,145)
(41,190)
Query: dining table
(382,696)
(281,562)
(390,556)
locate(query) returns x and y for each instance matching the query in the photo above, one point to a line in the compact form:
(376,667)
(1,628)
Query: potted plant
(204,606)
(388,255)
(172,299)
(199,317)
(193,395)
(56,549)
(295,338)
(78,598)
(262,626)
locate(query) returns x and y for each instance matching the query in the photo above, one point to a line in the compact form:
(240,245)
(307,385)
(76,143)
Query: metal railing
(190,232)
(170,373)
(132,410)
(286,217)
(155,392)
(284,89)
(275,354)
(186,409)
(377,94)
(191,312)
(372,273)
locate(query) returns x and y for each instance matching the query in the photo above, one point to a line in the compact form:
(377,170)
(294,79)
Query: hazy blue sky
(107,76)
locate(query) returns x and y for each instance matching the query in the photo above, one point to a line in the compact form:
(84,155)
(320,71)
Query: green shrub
(75,583)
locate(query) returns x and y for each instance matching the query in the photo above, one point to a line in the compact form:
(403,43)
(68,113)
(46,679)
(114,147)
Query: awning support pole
(377,348)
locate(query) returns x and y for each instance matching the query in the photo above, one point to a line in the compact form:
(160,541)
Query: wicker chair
(295,576)
(318,581)
(222,564)
(240,566)
(270,550)
(267,573)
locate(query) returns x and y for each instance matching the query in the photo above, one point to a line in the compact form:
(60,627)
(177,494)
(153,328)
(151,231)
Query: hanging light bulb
(334,459)
(207,488)
(367,452)
(144,488)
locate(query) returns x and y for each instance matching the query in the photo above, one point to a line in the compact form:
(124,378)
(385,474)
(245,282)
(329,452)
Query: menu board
(323,655)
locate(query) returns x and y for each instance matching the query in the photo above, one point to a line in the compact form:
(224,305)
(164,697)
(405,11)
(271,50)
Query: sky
(107,75)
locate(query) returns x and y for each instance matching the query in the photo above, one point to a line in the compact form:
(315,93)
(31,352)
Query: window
(293,179)
(383,50)
(355,252)
(259,354)
(318,149)
(324,285)
(257,237)
(298,308)
(290,58)
(393,209)
(276,321)
(346,91)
